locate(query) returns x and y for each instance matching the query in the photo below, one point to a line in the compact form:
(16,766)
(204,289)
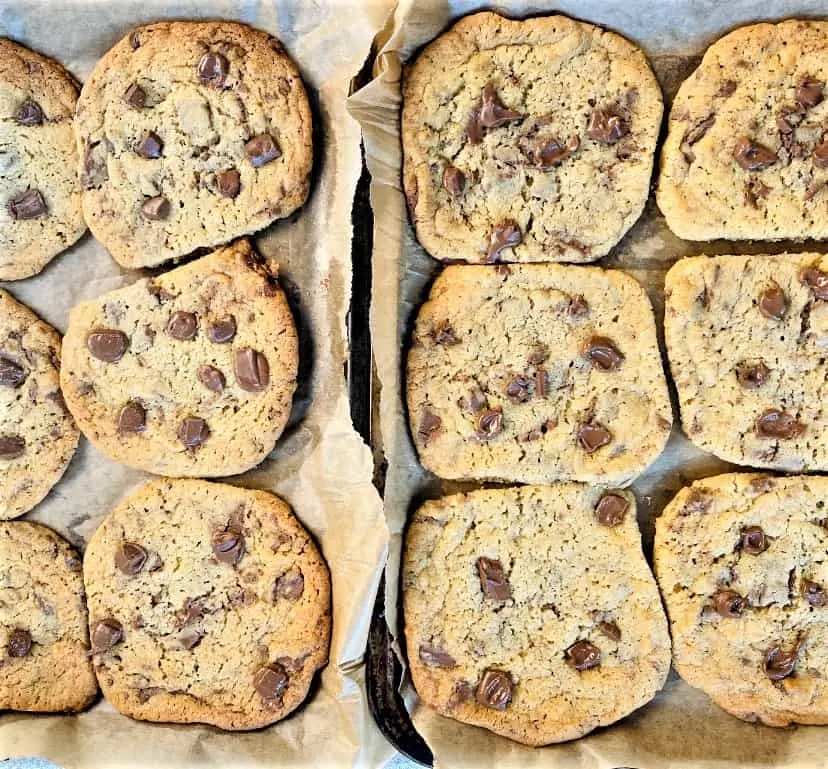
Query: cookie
(740,560)
(531,611)
(747,339)
(40,196)
(208,604)
(187,374)
(38,436)
(191,134)
(527,141)
(746,155)
(44,645)
(537,373)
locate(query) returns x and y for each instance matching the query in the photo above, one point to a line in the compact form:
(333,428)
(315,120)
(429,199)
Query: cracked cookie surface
(44,647)
(747,338)
(740,560)
(38,436)
(40,197)
(191,134)
(535,373)
(527,141)
(746,155)
(207,603)
(190,373)
(532,612)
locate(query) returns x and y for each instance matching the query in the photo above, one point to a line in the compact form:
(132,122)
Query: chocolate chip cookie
(535,373)
(740,561)
(747,338)
(191,134)
(44,646)
(531,611)
(746,156)
(40,197)
(527,141)
(187,374)
(38,436)
(207,603)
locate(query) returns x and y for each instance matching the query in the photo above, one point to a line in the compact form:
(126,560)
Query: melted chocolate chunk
(611,509)
(108,345)
(583,655)
(592,436)
(819,154)
(779,663)
(603,353)
(430,425)
(228,546)
(774,423)
(606,127)
(753,156)
(495,689)
(11,375)
(755,190)
(540,383)
(506,234)
(133,418)
(193,432)
(610,629)
(95,170)
(773,303)
(130,558)
(578,307)
(435,657)
(444,334)
(289,586)
(753,540)
(261,149)
(135,96)
(19,644)
(271,681)
(211,378)
(228,183)
(489,112)
(752,376)
(814,594)
(545,153)
(694,135)
(29,205)
(493,580)
(817,281)
(190,638)
(728,603)
(809,92)
(106,634)
(155,209)
(29,113)
(489,424)
(454,181)
(252,370)
(151,146)
(182,326)
(11,446)
(212,69)
(517,390)
(222,331)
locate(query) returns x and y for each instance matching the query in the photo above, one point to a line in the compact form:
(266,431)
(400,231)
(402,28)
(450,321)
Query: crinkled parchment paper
(681,728)
(320,466)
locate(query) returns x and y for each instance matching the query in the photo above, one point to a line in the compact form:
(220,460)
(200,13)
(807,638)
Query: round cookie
(207,603)
(44,646)
(40,196)
(531,611)
(37,434)
(191,134)
(740,560)
(527,141)
(188,374)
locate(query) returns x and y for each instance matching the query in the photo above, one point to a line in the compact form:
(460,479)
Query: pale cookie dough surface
(747,338)
(38,436)
(206,372)
(500,385)
(44,646)
(215,604)
(565,578)
(530,166)
(207,124)
(40,196)
(762,84)
(758,543)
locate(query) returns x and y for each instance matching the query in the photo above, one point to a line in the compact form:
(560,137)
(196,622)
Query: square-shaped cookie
(536,373)
(740,560)
(747,338)
(527,141)
(532,612)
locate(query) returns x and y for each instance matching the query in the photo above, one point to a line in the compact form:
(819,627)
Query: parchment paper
(320,466)
(681,728)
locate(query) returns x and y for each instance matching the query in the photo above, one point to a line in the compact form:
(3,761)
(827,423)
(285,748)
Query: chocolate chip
(290,586)
(755,190)
(753,540)
(583,655)
(461,692)
(130,558)
(610,629)
(774,423)
(29,205)
(193,432)
(211,378)
(107,345)
(752,376)
(819,155)
(540,383)
(578,307)
(506,234)
(135,96)
(106,634)
(271,681)
(182,326)
(454,180)
(611,509)
(545,153)
(228,183)
(493,113)
(228,546)
(809,92)
(489,424)
(817,281)
(753,156)
(435,657)
(262,149)
(728,603)
(517,390)
(252,370)
(133,418)
(155,209)
(212,69)
(151,146)
(134,40)
(19,643)
(606,127)
(695,134)
(773,303)
(190,638)
(778,663)
(814,594)
(223,330)
(495,689)
(493,581)
(603,353)
(430,425)
(95,170)
(444,334)
(29,113)
(592,436)
(11,375)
